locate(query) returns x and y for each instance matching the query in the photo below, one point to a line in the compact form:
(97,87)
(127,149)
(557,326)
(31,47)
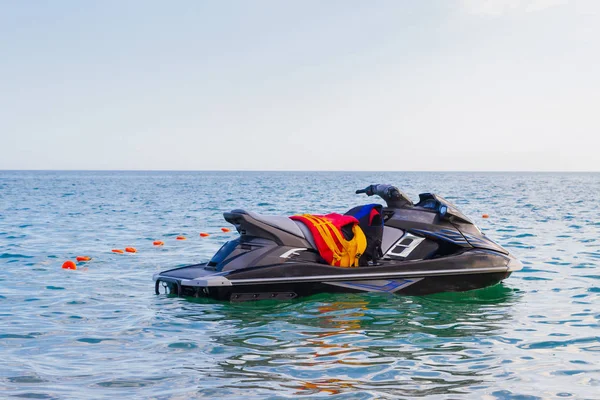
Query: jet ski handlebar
(393,196)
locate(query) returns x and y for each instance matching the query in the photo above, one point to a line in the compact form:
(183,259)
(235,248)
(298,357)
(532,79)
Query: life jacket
(338,238)
(370,220)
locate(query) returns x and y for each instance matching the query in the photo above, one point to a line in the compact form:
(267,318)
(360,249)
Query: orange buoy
(180,238)
(117,251)
(131,249)
(226,229)
(204,234)
(158,243)
(83,258)
(485,216)
(69,265)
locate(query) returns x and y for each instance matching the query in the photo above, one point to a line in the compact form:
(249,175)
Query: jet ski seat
(369,217)
(286,224)
(370,220)
(307,233)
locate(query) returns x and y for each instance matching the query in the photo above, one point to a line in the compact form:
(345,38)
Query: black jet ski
(414,249)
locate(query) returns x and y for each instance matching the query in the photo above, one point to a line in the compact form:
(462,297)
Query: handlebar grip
(368,190)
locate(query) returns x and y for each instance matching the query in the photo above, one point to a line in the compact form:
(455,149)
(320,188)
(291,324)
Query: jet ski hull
(413,249)
(467,271)
(416,287)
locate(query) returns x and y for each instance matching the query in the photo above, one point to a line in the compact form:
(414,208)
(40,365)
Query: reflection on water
(399,346)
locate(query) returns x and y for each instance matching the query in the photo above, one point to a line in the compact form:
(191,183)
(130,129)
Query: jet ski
(414,249)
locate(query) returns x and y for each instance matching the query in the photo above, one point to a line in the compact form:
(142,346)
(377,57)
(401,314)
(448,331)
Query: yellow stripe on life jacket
(350,251)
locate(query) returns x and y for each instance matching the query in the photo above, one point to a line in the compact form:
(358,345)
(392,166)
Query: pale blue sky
(304,85)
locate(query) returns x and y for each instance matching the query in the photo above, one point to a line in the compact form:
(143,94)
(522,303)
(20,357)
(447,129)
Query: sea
(100,331)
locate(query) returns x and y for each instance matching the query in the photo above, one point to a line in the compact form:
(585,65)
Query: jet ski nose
(514,264)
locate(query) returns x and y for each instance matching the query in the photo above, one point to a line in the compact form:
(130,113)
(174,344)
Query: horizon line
(292,170)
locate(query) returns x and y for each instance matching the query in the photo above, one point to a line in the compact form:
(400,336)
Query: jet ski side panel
(475,261)
(411,287)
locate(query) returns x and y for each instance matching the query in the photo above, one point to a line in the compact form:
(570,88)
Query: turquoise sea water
(100,332)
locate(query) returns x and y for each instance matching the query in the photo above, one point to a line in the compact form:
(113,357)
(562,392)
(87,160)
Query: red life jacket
(330,242)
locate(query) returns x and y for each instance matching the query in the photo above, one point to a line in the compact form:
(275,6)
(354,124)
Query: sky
(459,85)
